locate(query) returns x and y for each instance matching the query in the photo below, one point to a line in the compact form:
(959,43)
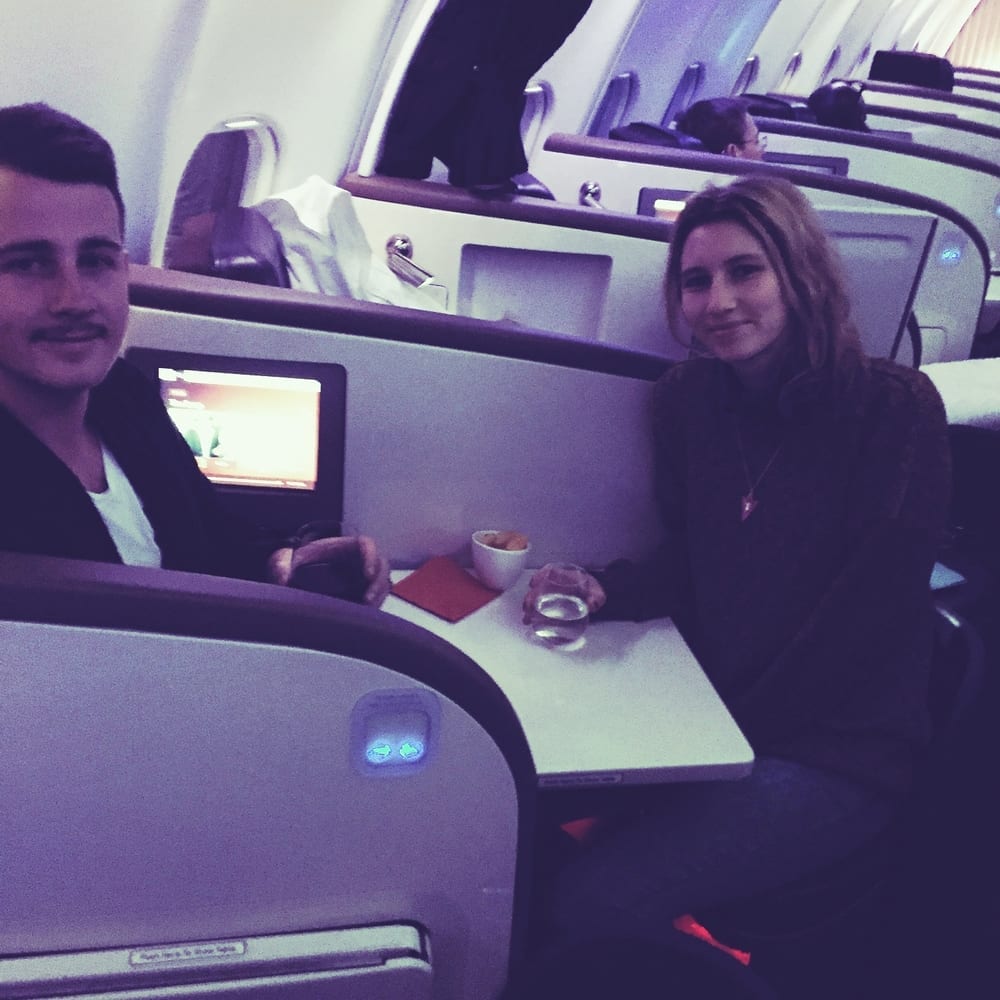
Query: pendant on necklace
(747,505)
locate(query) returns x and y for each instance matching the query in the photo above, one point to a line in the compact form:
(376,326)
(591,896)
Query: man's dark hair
(37,140)
(716,122)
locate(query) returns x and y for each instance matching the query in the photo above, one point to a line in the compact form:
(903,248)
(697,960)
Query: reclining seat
(214,788)
(230,242)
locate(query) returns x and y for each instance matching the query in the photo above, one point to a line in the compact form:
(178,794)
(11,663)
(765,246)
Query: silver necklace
(748,502)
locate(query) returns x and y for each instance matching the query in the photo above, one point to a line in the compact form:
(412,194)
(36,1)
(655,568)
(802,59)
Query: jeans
(695,846)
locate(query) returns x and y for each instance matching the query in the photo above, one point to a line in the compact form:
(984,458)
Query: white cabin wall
(577,73)
(113,65)
(819,43)
(890,27)
(657,52)
(978,42)
(780,40)
(309,69)
(668,35)
(920,12)
(727,41)
(155,76)
(655,41)
(944,24)
(856,38)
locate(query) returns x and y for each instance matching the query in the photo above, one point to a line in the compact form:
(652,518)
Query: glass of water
(559,615)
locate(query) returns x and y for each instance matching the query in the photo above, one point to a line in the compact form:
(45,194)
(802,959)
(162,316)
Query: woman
(803,491)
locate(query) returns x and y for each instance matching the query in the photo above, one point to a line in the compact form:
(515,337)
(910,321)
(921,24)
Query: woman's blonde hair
(776,213)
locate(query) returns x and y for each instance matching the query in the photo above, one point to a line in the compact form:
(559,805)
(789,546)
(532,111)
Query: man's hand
(284,562)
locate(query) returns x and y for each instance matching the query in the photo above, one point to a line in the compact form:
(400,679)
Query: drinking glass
(559,616)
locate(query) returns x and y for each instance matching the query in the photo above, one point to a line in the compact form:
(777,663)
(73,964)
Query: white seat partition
(948,132)
(974,73)
(968,184)
(452,424)
(984,88)
(929,128)
(936,129)
(214,788)
(935,257)
(970,390)
(985,108)
(528,261)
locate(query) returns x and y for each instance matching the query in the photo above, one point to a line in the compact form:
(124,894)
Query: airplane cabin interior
(417,248)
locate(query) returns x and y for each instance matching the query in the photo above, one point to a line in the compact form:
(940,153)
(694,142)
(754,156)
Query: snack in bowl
(510,541)
(499,557)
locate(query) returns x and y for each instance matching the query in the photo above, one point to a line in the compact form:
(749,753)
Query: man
(723,125)
(839,105)
(94,469)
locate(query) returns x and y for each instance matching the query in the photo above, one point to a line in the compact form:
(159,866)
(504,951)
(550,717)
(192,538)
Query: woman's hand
(593,593)
(375,567)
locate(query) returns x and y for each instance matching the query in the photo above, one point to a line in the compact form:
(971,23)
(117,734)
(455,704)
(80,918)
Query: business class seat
(214,788)
(232,242)
(843,930)
(246,248)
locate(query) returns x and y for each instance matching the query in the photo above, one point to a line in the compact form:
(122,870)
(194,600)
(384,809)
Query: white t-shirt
(124,517)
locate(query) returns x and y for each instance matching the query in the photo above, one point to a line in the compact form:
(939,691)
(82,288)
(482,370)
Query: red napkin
(442,587)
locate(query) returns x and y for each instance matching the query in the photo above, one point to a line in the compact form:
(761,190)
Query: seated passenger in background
(723,125)
(93,466)
(839,105)
(803,490)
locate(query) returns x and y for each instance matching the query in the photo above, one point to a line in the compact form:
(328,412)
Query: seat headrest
(791,109)
(246,248)
(655,135)
(921,69)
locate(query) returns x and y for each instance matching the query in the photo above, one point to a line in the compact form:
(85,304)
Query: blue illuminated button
(411,750)
(393,732)
(379,753)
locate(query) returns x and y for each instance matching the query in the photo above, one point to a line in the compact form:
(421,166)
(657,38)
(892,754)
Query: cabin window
(747,77)
(232,165)
(856,69)
(687,90)
(537,101)
(831,64)
(791,69)
(615,104)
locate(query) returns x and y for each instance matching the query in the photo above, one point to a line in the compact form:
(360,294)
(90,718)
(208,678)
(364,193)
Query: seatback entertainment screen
(247,430)
(269,434)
